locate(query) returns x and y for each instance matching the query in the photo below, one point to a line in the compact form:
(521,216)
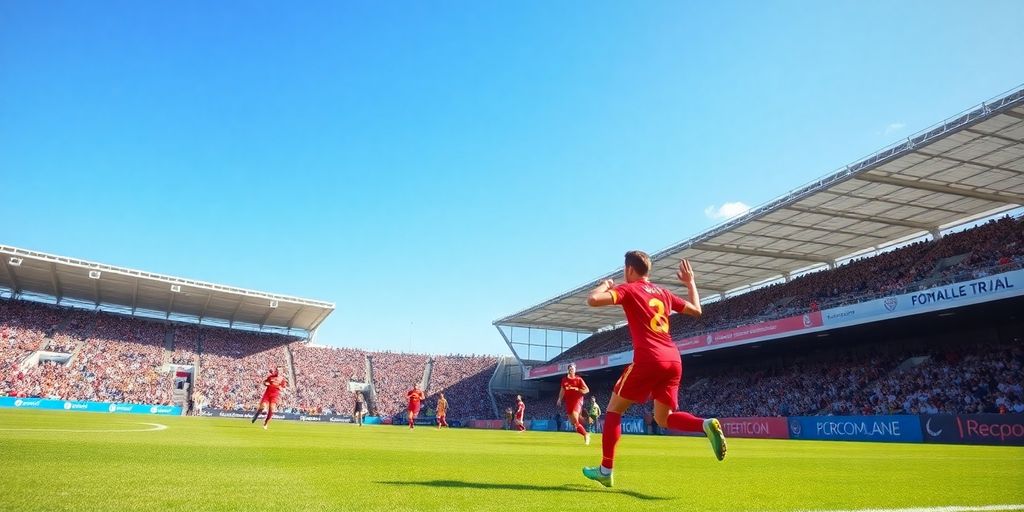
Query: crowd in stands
(464,381)
(186,345)
(323,375)
(234,363)
(393,375)
(994,246)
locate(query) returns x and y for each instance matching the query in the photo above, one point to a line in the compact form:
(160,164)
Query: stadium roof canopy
(25,272)
(966,168)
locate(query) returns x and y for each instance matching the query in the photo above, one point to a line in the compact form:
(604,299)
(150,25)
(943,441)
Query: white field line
(153,427)
(950,508)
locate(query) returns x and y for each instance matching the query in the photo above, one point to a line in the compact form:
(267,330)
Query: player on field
(442,412)
(594,412)
(573,390)
(657,367)
(520,412)
(275,383)
(360,408)
(415,396)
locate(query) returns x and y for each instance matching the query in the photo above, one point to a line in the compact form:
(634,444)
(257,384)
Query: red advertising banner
(749,332)
(761,428)
(736,335)
(491,424)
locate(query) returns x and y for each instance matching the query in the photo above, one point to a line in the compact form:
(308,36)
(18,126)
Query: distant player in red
(415,396)
(520,412)
(275,383)
(572,391)
(657,367)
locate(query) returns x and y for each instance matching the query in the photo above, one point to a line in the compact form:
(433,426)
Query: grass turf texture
(229,464)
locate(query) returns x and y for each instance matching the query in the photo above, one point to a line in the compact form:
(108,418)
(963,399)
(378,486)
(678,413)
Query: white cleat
(264,427)
(586,439)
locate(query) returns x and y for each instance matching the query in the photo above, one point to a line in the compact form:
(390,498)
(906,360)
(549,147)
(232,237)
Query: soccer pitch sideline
(87,461)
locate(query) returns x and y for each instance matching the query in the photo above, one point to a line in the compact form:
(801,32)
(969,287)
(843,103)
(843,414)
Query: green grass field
(65,461)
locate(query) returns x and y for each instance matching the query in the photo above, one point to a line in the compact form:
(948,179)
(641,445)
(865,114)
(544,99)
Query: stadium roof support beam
(231,321)
(96,284)
(170,305)
(12,276)
(968,162)
(758,253)
(861,217)
(205,306)
(995,197)
(294,316)
(135,296)
(266,315)
(55,279)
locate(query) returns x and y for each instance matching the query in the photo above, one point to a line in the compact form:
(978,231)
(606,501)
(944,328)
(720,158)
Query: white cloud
(894,127)
(726,211)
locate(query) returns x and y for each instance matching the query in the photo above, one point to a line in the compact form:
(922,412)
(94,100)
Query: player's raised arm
(692,306)
(602,295)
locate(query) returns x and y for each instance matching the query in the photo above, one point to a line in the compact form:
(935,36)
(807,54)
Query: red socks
(270,414)
(612,433)
(685,422)
(580,430)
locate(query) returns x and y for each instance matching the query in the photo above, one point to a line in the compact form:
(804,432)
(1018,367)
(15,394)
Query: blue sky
(432,166)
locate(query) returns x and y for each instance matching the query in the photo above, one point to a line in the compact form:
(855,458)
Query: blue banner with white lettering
(903,429)
(81,405)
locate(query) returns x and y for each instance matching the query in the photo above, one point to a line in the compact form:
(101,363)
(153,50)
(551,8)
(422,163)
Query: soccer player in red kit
(415,396)
(275,382)
(657,367)
(572,391)
(520,412)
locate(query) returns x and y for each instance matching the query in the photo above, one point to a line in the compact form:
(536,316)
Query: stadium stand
(463,380)
(323,375)
(234,363)
(997,245)
(393,375)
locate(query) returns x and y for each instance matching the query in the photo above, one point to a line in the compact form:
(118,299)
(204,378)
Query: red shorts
(270,399)
(414,410)
(653,379)
(574,407)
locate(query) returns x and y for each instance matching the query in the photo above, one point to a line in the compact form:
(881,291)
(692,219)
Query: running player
(360,409)
(275,383)
(593,411)
(415,396)
(442,412)
(520,412)
(657,368)
(573,390)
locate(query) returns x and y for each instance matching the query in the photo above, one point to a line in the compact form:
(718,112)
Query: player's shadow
(525,487)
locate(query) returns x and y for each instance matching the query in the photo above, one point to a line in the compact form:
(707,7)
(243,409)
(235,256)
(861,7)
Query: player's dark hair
(639,261)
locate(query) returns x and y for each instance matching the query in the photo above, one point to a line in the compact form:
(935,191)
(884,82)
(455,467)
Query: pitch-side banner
(999,286)
(997,429)
(904,429)
(81,405)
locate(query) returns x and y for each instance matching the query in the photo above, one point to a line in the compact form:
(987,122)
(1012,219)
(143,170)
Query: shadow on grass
(525,487)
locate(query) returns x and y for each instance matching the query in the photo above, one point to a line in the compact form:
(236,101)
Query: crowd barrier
(279,415)
(987,429)
(82,405)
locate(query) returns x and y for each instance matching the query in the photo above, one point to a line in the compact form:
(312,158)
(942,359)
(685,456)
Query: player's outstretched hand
(608,284)
(685,273)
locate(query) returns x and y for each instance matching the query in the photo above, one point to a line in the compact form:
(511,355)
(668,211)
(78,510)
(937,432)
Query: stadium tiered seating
(234,363)
(994,246)
(394,375)
(323,374)
(186,344)
(463,380)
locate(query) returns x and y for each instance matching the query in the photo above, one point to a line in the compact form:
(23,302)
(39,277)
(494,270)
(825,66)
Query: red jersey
(274,383)
(573,388)
(414,397)
(647,307)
